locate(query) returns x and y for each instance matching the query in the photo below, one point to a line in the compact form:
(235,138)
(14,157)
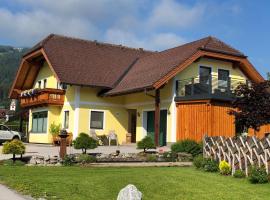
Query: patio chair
(93,135)
(112,136)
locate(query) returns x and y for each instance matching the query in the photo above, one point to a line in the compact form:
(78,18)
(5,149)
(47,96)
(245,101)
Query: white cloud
(134,23)
(159,41)
(171,14)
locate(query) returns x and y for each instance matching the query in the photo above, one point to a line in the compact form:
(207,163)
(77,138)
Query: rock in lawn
(130,192)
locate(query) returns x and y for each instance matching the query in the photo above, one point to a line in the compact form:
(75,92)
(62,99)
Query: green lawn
(105,183)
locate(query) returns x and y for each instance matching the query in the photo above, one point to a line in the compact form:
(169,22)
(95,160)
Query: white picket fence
(239,152)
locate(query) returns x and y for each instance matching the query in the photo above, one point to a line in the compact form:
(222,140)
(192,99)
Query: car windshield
(3,128)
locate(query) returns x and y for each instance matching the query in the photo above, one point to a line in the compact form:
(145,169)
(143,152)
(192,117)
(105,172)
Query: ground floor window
(39,122)
(97,120)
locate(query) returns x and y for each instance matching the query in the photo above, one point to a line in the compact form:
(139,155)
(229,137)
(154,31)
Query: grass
(105,183)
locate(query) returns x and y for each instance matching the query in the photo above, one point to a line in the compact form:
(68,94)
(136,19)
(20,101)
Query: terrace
(207,87)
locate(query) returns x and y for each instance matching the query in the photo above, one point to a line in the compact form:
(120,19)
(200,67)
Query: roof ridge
(102,43)
(224,43)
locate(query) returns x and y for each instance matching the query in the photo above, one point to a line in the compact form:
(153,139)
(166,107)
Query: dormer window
(44,83)
(39,84)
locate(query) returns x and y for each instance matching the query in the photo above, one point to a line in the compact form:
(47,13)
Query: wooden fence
(239,152)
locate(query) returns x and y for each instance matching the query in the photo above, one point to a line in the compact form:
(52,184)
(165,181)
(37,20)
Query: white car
(7,135)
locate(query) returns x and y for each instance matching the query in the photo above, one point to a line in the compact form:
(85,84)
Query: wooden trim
(15,80)
(252,73)
(50,64)
(178,69)
(23,62)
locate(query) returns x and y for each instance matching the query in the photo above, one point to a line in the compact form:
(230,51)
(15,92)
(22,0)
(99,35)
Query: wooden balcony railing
(42,97)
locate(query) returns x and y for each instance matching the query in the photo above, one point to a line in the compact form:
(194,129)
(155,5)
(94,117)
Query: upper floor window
(39,84)
(223,78)
(45,83)
(205,74)
(97,120)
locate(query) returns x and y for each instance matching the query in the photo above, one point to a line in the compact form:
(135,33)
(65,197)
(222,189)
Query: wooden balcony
(42,97)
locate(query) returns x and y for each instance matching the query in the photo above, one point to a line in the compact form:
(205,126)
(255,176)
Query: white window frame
(104,119)
(63,124)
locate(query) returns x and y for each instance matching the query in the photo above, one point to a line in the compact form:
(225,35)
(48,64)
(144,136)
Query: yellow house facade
(79,96)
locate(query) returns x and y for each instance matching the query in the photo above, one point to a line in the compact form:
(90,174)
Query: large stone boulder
(130,192)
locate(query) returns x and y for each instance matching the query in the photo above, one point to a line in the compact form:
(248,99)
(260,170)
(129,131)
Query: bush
(68,160)
(12,163)
(55,129)
(258,175)
(15,147)
(85,158)
(210,165)
(187,146)
(151,158)
(198,162)
(239,174)
(224,168)
(84,142)
(170,156)
(146,143)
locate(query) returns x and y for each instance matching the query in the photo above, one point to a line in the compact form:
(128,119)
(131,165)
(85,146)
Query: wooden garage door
(194,120)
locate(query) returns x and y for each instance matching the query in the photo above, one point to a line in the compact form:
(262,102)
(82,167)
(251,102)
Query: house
(183,92)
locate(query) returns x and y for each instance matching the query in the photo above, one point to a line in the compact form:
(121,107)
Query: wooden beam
(157,116)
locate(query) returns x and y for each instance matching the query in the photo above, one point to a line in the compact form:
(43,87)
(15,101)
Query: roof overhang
(27,72)
(246,67)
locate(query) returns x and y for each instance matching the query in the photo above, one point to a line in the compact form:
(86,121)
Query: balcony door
(205,75)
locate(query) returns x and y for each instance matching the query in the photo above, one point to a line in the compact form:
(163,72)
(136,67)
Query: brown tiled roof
(119,69)
(152,68)
(89,63)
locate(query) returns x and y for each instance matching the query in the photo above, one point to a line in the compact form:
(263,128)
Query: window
(44,83)
(97,120)
(223,78)
(66,119)
(39,84)
(205,75)
(39,122)
(3,128)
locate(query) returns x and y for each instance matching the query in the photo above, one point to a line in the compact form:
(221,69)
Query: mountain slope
(9,63)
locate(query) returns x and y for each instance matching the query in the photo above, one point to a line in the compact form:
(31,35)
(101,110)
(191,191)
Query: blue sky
(154,25)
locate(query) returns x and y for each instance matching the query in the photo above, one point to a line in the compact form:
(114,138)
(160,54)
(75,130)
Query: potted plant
(55,130)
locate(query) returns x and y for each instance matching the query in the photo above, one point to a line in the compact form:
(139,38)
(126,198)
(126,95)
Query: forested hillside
(9,62)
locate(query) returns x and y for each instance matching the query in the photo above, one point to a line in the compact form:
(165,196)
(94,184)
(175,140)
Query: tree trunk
(13,158)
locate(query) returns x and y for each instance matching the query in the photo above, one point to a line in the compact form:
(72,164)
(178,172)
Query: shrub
(239,174)
(84,142)
(146,143)
(55,129)
(151,158)
(258,175)
(12,163)
(68,160)
(85,158)
(210,165)
(15,147)
(224,168)
(198,162)
(188,146)
(170,156)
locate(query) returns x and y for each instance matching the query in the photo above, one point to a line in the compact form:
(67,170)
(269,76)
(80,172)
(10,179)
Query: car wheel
(15,138)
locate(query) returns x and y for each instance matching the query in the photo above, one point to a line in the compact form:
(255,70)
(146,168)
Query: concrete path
(49,150)
(8,194)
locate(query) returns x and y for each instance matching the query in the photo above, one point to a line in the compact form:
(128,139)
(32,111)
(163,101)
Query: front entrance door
(162,127)
(132,124)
